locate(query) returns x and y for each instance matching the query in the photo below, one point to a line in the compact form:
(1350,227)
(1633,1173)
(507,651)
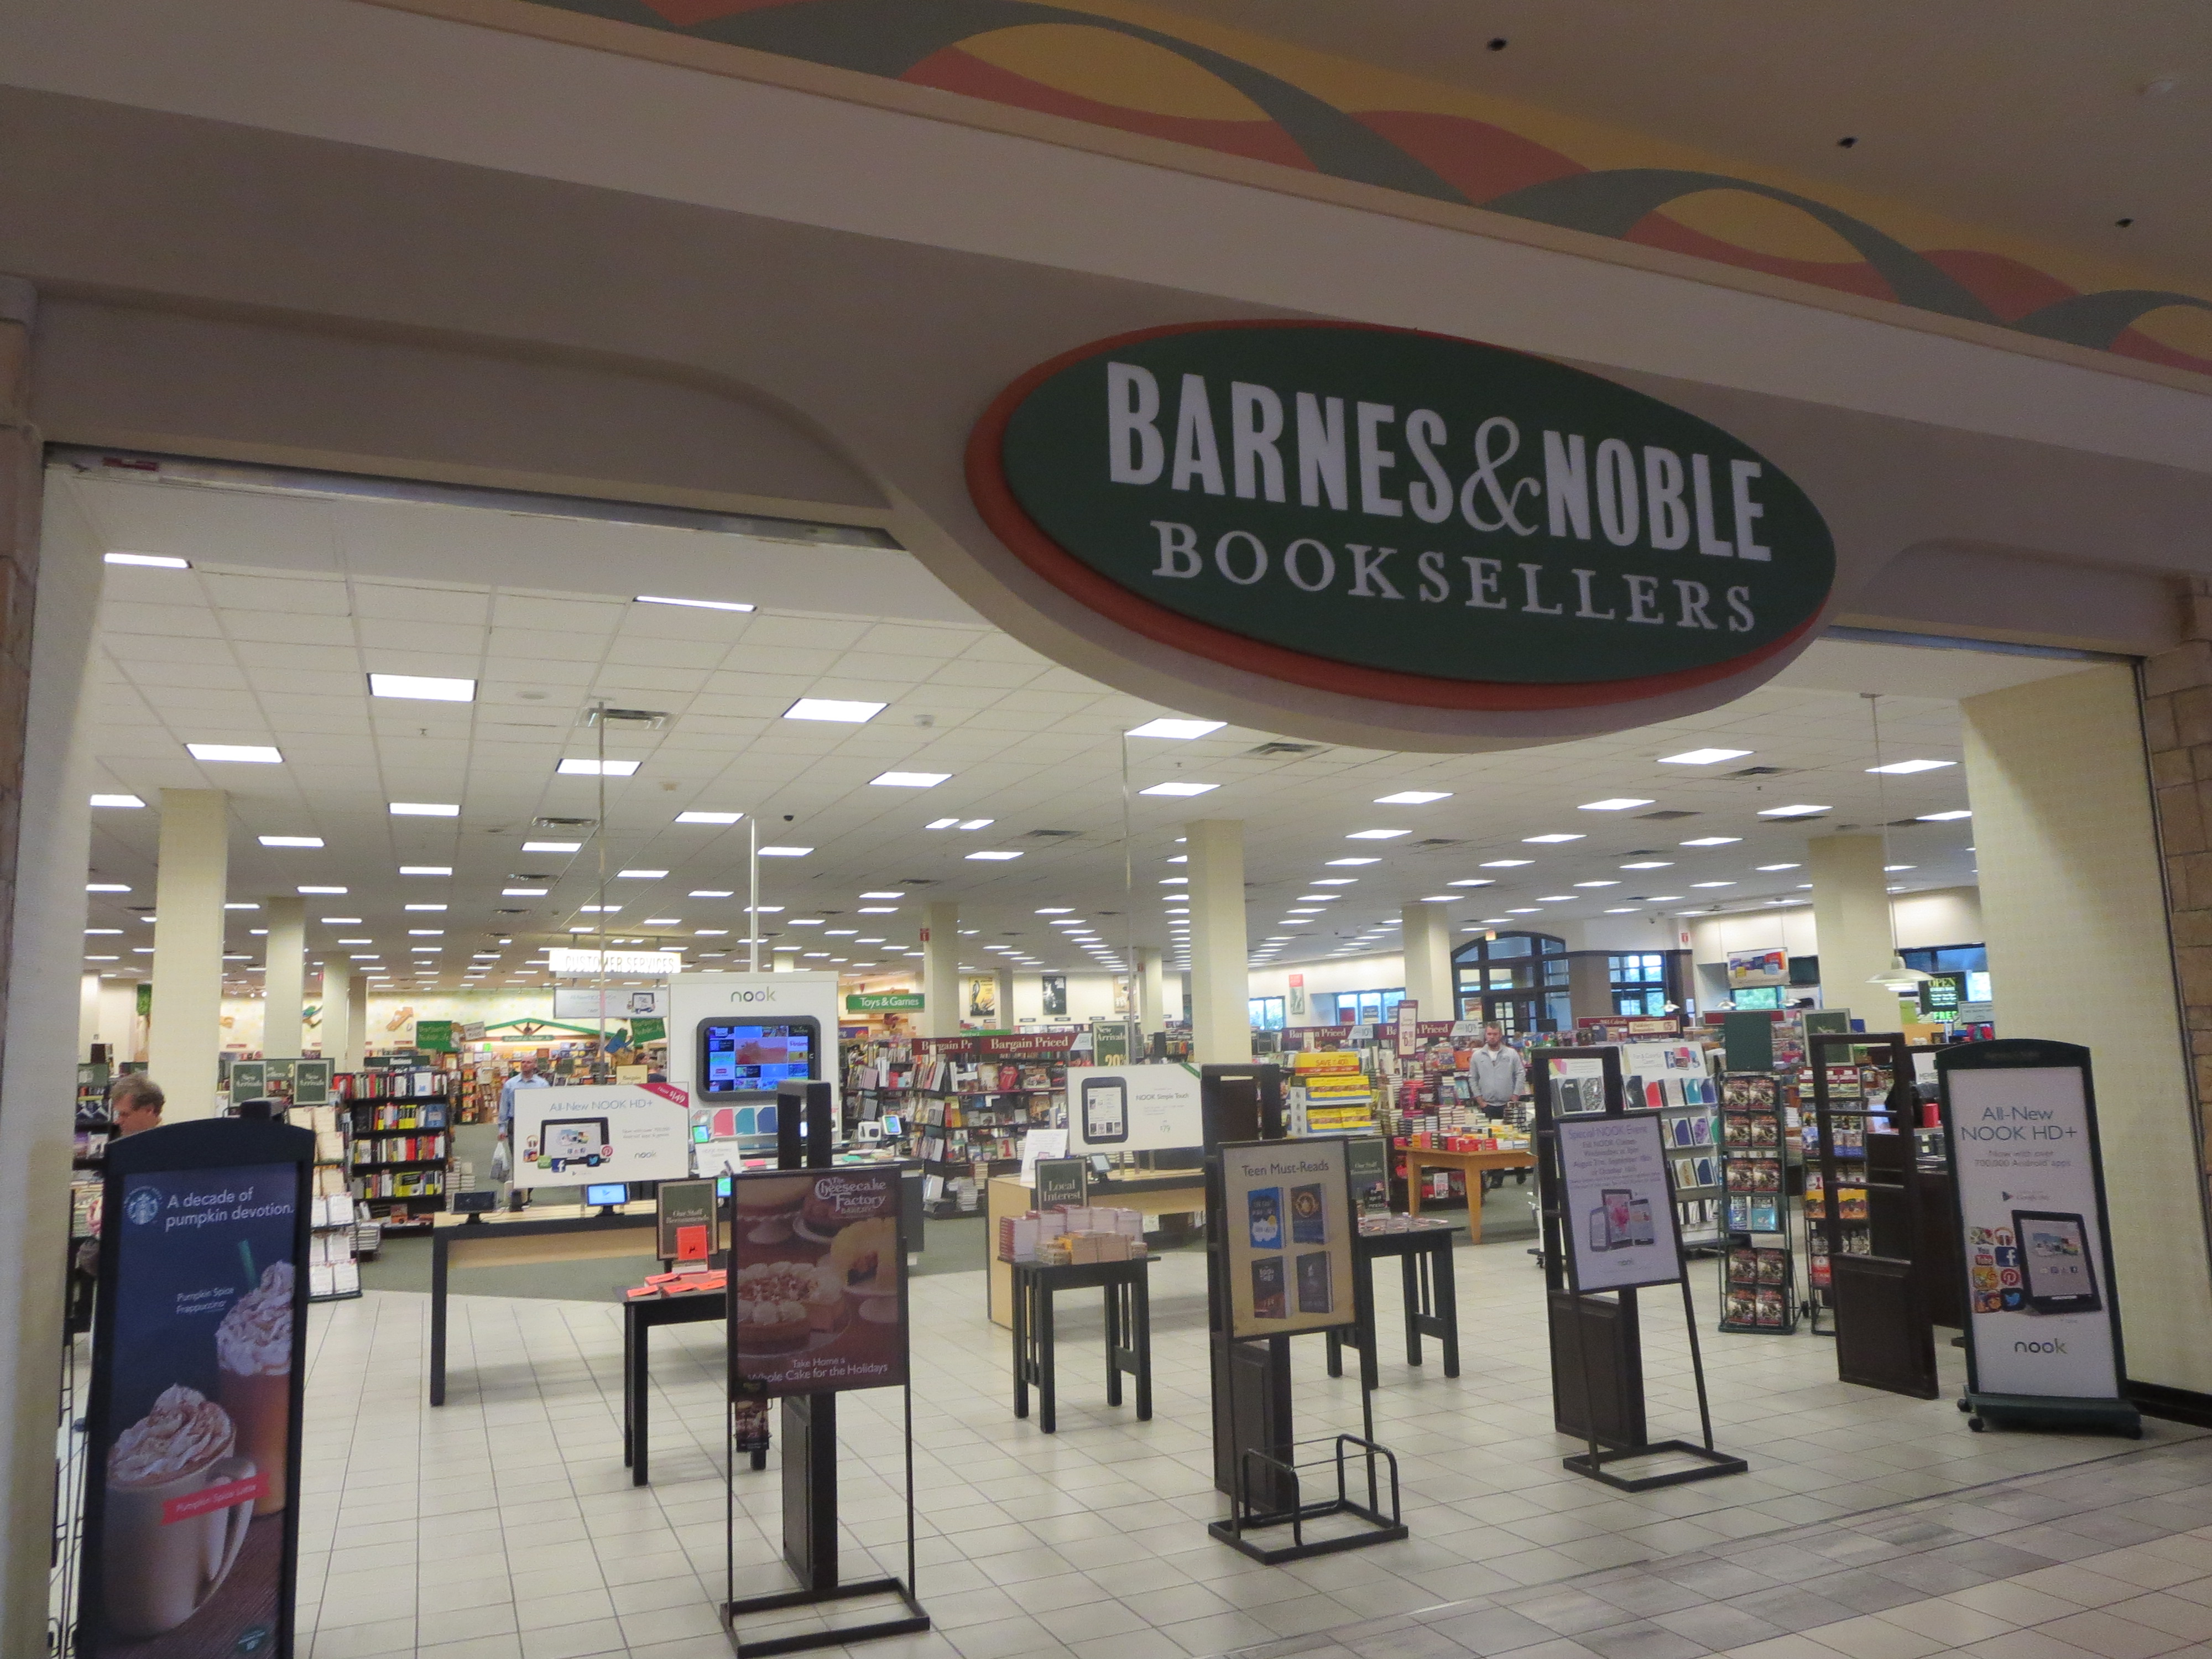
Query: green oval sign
(1399,516)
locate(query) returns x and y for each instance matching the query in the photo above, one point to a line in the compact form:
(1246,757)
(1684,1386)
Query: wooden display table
(1171,1192)
(1472,1165)
(1128,1330)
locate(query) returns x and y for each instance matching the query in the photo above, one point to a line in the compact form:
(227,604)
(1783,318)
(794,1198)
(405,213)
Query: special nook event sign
(1289,1227)
(817,1297)
(191,1432)
(1620,1216)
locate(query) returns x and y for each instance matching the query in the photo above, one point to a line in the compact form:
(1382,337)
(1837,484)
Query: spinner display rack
(1759,1270)
(1847,1086)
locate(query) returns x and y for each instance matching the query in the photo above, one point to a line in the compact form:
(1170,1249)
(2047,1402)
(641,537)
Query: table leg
(437,1321)
(1409,1273)
(630,1340)
(1474,1205)
(1446,1299)
(1413,1183)
(1335,1353)
(639,1369)
(1140,1297)
(1047,1378)
(1021,1344)
(1114,1345)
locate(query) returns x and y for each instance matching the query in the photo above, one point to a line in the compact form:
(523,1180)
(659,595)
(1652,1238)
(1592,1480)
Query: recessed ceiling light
(424,809)
(1892,868)
(1943,817)
(1345,861)
(1768,868)
(880,910)
(1057,910)
(333,921)
(1597,884)
(117,800)
(908,780)
(1526,910)
(1412,798)
(251,754)
(832,708)
(151,561)
(1179,789)
(1909,766)
(598,910)
(640,875)
(1554,898)
(1622,911)
(318,889)
(1612,804)
(1665,898)
(426,907)
(784,852)
(977,824)
(708,818)
(661,921)
(1552,838)
(695,605)
(422,688)
(1703,757)
(1378,835)
(115,887)
(1713,841)
(572,768)
(551,846)
(1473,881)
(1165,727)
(524,892)
(247,904)
(426,933)
(1796,810)
(1712,883)
(291,841)
(356,941)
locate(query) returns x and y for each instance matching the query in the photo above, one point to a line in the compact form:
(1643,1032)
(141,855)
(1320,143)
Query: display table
(1171,1192)
(517,1238)
(1425,1264)
(1472,1165)
(639,1317)
(1129,1329)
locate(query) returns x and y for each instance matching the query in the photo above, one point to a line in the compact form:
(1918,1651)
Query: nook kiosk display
(732,1039)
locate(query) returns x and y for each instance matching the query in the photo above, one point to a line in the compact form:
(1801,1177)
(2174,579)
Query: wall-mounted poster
(191,1538)
(1766,966)
(981,1000)
(817,1286)
(1619,1214)
(598,1132)
(1289,1227)
(1056,996)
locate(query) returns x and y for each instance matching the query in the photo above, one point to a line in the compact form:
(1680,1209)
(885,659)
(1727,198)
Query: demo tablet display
(751,1059)
(2054,1257)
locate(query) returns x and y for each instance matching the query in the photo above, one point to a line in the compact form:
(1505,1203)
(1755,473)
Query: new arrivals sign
(1399,516)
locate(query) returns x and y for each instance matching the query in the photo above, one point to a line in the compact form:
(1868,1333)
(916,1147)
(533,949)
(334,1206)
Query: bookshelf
(333,1267)
(399,1142)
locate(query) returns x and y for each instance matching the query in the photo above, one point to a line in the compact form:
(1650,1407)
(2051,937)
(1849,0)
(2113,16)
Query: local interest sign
(1399,516)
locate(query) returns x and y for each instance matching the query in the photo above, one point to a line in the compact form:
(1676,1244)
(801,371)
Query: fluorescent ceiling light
(422,688)
(117,800)
(977,824)
(834,708)
(103,929)
(1622,911)
(1888,869)
(524,892)
(908,780)
(708,818)
(1768,868)
(1713,841)
(886,893)
(426,869)
(784,852)
(1650,864)
(695,605)
(1797,810)
(551,846)
(880,910)
(152,561)
(113,887)
(940,824)
(640,875)
(1352,861)
(1612,804)
(710,892)
(244,904)
(356,941)
(995,857)
(1412,798)
(1378,835)
(664,922)
(1179,789)
(1165,727)
(426,907)
(425,809)
(1712,883)
(1943,817)
(291,841)
(1703,757)
(251,754)
(1473,881)
(598,910)
(426,933)
(1058,910)
(1597,884)
(318,889)
(596,768)
(1554,898)
(330,921)
(1909,766)
(1552,839)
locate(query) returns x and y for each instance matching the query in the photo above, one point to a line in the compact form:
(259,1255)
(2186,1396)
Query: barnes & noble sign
(1399,516)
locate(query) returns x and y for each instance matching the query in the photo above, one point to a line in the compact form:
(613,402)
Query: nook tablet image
(1105,1110)
(2054,1254)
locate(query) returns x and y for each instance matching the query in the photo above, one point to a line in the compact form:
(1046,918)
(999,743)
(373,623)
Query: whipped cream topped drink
(253,1346)
(167,1548)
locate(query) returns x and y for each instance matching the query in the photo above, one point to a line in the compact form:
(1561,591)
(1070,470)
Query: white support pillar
(1427,929)
(1851,925)
(940,972)
(1220,974)
(2074,911)
(1152,988)
(1006,991)
(338,1030)
(356,1024)
(284,976)
(188,884)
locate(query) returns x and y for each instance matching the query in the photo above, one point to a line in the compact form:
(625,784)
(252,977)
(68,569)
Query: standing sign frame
(2026,1194)
(1557,1156)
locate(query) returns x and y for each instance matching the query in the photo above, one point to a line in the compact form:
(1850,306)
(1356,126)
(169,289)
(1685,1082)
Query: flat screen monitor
(893,1127)
(736,1060)
(606,1191)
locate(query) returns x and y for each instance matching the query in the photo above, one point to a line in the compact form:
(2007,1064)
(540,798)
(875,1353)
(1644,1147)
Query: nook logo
(752,996)
(2039,1347)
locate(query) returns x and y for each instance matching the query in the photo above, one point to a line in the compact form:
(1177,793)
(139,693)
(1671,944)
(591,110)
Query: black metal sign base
(1281,1474)
(2037,1411)
(914,1619)
(1592,1464)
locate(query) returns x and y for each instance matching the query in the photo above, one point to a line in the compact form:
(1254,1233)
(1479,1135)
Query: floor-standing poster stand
(1609,1226)
(2043,1312)
(191,1519)
(817,1286)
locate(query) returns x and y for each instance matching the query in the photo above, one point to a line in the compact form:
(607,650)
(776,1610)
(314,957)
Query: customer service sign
(1399,515)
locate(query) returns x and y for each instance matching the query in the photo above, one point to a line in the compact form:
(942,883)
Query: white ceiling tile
(593,616)
(290,628)
(462,642)
(188,621)
(317,596)
(426,604)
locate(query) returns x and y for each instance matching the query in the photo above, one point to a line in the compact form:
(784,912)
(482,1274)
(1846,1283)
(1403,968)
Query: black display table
(504,1243)
(639,1317)
(1424,1261)
(1128,1330)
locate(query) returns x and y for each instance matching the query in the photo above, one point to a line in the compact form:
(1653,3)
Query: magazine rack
(1759,1268)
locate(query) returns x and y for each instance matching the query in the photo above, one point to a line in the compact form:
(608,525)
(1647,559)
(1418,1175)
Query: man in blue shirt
(527,1078)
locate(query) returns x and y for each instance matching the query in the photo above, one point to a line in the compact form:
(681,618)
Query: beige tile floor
(503,1525)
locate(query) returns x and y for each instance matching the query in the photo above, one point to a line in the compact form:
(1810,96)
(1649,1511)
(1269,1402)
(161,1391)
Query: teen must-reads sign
(1399,516)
